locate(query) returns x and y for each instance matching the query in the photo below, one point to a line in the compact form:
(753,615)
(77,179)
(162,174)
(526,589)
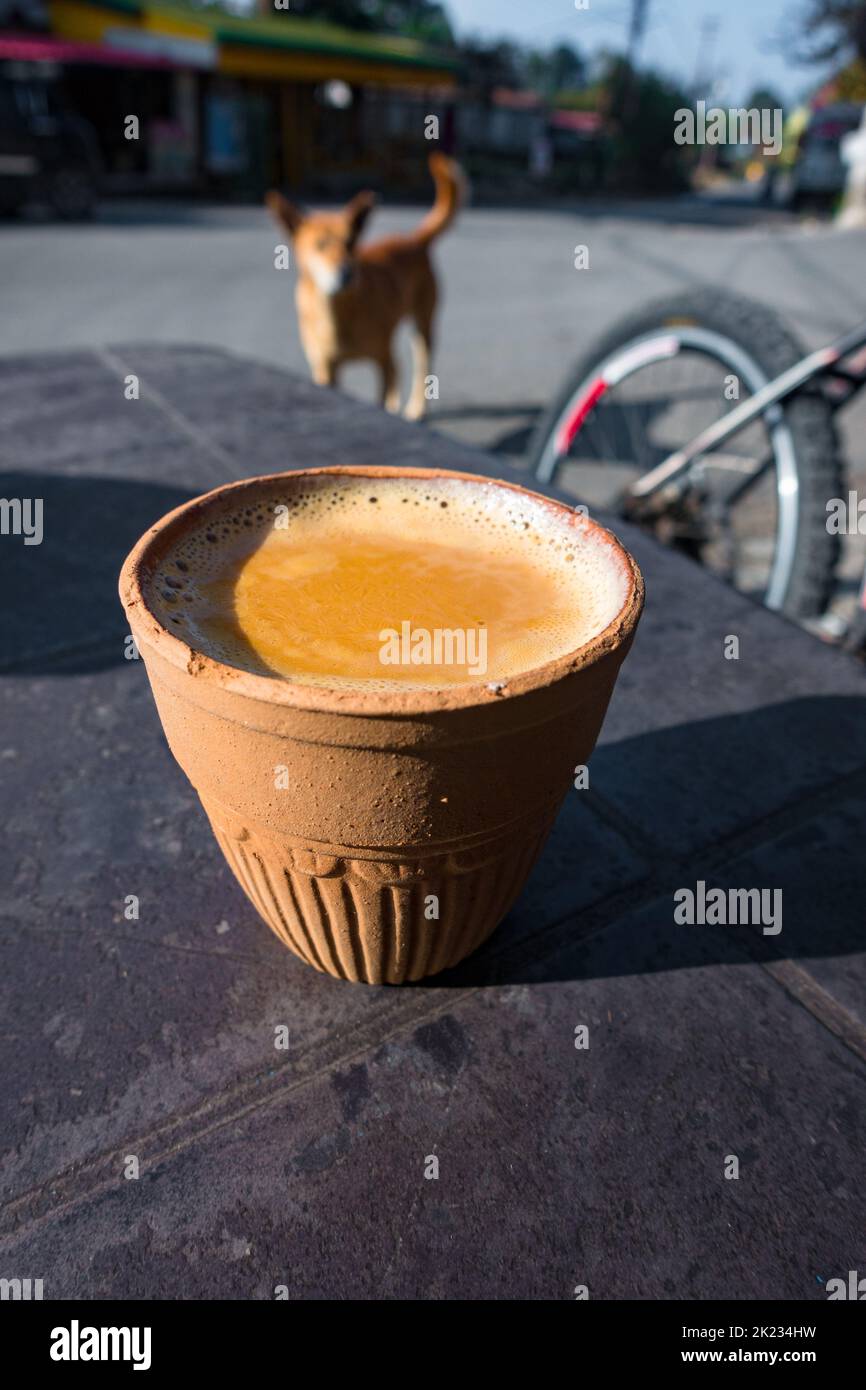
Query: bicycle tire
(759,331)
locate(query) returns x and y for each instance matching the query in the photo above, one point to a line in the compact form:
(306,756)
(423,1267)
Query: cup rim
(392,703)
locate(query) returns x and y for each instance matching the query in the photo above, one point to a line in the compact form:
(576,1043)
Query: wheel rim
(651,350)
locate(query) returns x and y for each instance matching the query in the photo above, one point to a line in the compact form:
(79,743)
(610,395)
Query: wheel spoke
(748,480)
(652,412)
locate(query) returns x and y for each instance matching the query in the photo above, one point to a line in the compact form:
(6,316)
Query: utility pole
(702,83)
(637,25)
(708,31)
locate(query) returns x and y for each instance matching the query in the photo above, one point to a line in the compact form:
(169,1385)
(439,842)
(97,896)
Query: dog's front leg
(390,396)
(324,371)
(416,405)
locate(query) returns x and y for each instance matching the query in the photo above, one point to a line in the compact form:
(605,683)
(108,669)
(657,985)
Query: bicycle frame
(835,373)
(826,361)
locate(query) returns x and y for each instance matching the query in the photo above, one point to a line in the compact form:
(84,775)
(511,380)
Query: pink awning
(37,50)
(587,122)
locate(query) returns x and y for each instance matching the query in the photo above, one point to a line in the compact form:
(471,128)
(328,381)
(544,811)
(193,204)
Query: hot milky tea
(375,584)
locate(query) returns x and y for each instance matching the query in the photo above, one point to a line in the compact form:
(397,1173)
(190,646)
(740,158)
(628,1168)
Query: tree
(641,108)
(488,65)
(549,71)
(567,68)
(833,29)
(416,19)
(764,99)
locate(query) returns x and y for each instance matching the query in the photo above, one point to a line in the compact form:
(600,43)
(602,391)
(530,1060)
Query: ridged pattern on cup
(362,918)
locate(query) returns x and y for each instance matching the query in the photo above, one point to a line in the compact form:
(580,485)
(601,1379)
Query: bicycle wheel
(754,511)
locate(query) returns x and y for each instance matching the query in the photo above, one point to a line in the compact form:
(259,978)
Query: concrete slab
(153,1037)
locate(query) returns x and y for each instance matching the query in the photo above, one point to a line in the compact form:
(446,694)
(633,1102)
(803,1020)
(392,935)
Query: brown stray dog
(351,298)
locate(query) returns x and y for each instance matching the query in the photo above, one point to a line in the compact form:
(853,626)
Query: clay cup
(410,819)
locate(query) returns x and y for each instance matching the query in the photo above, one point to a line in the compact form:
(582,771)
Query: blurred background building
(229,103)
(225,103)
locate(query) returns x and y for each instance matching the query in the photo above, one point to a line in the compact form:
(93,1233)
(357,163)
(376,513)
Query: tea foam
(580,578)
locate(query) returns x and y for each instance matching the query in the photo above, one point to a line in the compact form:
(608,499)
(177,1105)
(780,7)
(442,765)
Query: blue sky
(744,52)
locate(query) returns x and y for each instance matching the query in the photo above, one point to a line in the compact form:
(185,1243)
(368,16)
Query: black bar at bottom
(65,1337)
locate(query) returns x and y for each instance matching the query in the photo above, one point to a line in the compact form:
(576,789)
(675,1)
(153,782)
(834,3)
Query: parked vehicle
(48,154)
(816,171)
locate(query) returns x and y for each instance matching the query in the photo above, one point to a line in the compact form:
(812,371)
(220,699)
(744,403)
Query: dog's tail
(448,177)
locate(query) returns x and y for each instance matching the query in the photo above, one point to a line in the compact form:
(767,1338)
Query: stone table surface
(559,1167)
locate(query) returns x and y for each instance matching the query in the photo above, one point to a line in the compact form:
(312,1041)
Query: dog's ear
(285,212)
(356,213)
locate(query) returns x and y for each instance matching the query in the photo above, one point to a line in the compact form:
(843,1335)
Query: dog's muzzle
(332,279)
(343,278)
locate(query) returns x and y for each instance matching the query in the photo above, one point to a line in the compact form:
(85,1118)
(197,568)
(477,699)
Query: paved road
(515,312)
